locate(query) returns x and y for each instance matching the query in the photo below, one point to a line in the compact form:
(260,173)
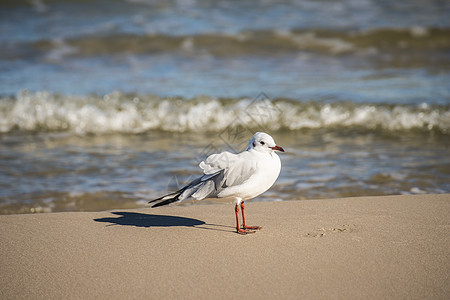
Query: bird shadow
(150,220)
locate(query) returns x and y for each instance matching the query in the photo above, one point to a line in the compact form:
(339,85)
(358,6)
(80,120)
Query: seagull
(234,177)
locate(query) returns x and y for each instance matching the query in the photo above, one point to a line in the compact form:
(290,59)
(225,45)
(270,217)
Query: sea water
(108,105)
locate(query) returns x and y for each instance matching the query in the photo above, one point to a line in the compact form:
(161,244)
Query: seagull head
(263,142)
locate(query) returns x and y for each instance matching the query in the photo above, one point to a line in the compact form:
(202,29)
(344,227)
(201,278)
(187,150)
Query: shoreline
(366,247)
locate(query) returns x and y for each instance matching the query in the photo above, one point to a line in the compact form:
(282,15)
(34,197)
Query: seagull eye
(262,143)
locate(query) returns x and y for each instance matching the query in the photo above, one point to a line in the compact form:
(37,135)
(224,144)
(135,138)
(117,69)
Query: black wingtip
(174,194)
(165,202)
(151,201)
(173,197)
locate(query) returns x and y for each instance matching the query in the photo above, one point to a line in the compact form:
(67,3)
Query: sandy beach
(390,247)
(107,105)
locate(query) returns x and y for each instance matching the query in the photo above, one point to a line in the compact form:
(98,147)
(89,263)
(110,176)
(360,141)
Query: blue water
(48,46)
(109,104)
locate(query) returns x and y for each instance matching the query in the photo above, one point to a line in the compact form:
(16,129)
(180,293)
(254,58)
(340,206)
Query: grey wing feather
(220,171)
(236,168)
(206,186)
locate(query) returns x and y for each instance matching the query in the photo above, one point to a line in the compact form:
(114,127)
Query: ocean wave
(415,40)
(126,113)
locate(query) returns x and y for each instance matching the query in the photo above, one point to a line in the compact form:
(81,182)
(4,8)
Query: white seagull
(234,177)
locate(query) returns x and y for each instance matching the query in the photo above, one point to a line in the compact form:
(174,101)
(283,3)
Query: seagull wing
(220,171)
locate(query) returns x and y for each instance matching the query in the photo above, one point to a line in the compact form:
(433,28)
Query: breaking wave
(127,113)
(417,40)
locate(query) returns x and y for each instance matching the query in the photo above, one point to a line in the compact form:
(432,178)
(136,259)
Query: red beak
(277,148)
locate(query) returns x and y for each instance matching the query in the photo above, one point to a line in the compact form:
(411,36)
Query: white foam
(310,40)
(60,51)
(131,114)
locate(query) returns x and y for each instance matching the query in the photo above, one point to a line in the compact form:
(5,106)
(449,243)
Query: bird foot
(244,231)
(251,227)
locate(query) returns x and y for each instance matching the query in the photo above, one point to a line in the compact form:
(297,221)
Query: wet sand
(389,247)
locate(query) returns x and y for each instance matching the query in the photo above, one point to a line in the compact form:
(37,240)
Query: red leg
(238,229)
(244,226)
